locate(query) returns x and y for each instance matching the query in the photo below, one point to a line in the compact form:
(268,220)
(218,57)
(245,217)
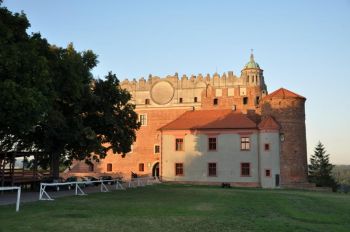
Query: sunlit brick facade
(276,131)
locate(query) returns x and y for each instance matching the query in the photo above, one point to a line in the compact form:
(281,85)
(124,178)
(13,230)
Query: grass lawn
(169,207)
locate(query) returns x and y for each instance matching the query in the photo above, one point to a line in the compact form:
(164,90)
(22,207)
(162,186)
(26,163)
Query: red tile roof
(210,119)
(283,93)
(269,123)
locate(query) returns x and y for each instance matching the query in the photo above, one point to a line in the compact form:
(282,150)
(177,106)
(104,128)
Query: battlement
(185,82)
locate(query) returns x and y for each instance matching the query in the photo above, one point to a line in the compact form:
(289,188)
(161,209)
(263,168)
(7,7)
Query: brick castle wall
(290,114)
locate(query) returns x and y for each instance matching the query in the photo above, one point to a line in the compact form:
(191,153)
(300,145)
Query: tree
(320,169)
(24,80)
(52,104)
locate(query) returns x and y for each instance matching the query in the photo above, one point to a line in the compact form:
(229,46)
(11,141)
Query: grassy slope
(184,208)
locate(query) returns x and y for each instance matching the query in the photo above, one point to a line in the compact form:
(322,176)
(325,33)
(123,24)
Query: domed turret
(252,74)
(252,63)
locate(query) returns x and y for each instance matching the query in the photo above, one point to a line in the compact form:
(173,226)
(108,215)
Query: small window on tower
(216,101)
(257,100)
(147,101)
(195,99)
(245,100)
(141,167)
(180,100)
(267,146)
(109,167)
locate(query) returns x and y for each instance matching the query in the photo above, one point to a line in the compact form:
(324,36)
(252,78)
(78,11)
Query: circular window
(162,92)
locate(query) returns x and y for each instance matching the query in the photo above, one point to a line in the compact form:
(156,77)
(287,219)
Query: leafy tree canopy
(24,79)
(51,103)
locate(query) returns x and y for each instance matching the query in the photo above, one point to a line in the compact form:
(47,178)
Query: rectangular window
(143,119)
(179,169)
(215,101)
(268,173)
(245,100)
(180,100)
(147,101)
(245,169)
(266,146)
(257,99)
(195,99)
(156,149)
(212,144)
(211,169)
(245,143)
(179,144)
(141,167)
(109,167)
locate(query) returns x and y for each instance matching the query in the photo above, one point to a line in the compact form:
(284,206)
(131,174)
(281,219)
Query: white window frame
(145,120)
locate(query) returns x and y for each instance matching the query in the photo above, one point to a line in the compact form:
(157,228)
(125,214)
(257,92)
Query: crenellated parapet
(175,90)
(184,82)
(244,91)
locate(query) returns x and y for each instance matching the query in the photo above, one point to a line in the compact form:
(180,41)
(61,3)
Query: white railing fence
(76,185)
(119,185)
(18,194)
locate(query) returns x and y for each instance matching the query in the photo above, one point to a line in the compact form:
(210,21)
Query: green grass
(168,207)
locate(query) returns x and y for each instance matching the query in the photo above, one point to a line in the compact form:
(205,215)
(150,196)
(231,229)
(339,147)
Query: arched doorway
(155,169)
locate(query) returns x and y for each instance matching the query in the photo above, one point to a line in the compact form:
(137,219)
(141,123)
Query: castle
(213,130)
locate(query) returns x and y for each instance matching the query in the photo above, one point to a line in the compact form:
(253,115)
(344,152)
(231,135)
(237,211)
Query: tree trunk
(55,165)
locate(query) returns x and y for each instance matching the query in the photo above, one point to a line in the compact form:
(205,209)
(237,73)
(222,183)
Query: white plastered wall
(195,157)
(269,159)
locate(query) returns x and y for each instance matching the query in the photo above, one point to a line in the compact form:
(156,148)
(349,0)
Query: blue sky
(303,46)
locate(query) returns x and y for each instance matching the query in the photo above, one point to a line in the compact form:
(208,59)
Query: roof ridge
(269,123)
(283,93)
(210,119)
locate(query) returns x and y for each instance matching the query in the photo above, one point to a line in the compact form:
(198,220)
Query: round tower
(288,109)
